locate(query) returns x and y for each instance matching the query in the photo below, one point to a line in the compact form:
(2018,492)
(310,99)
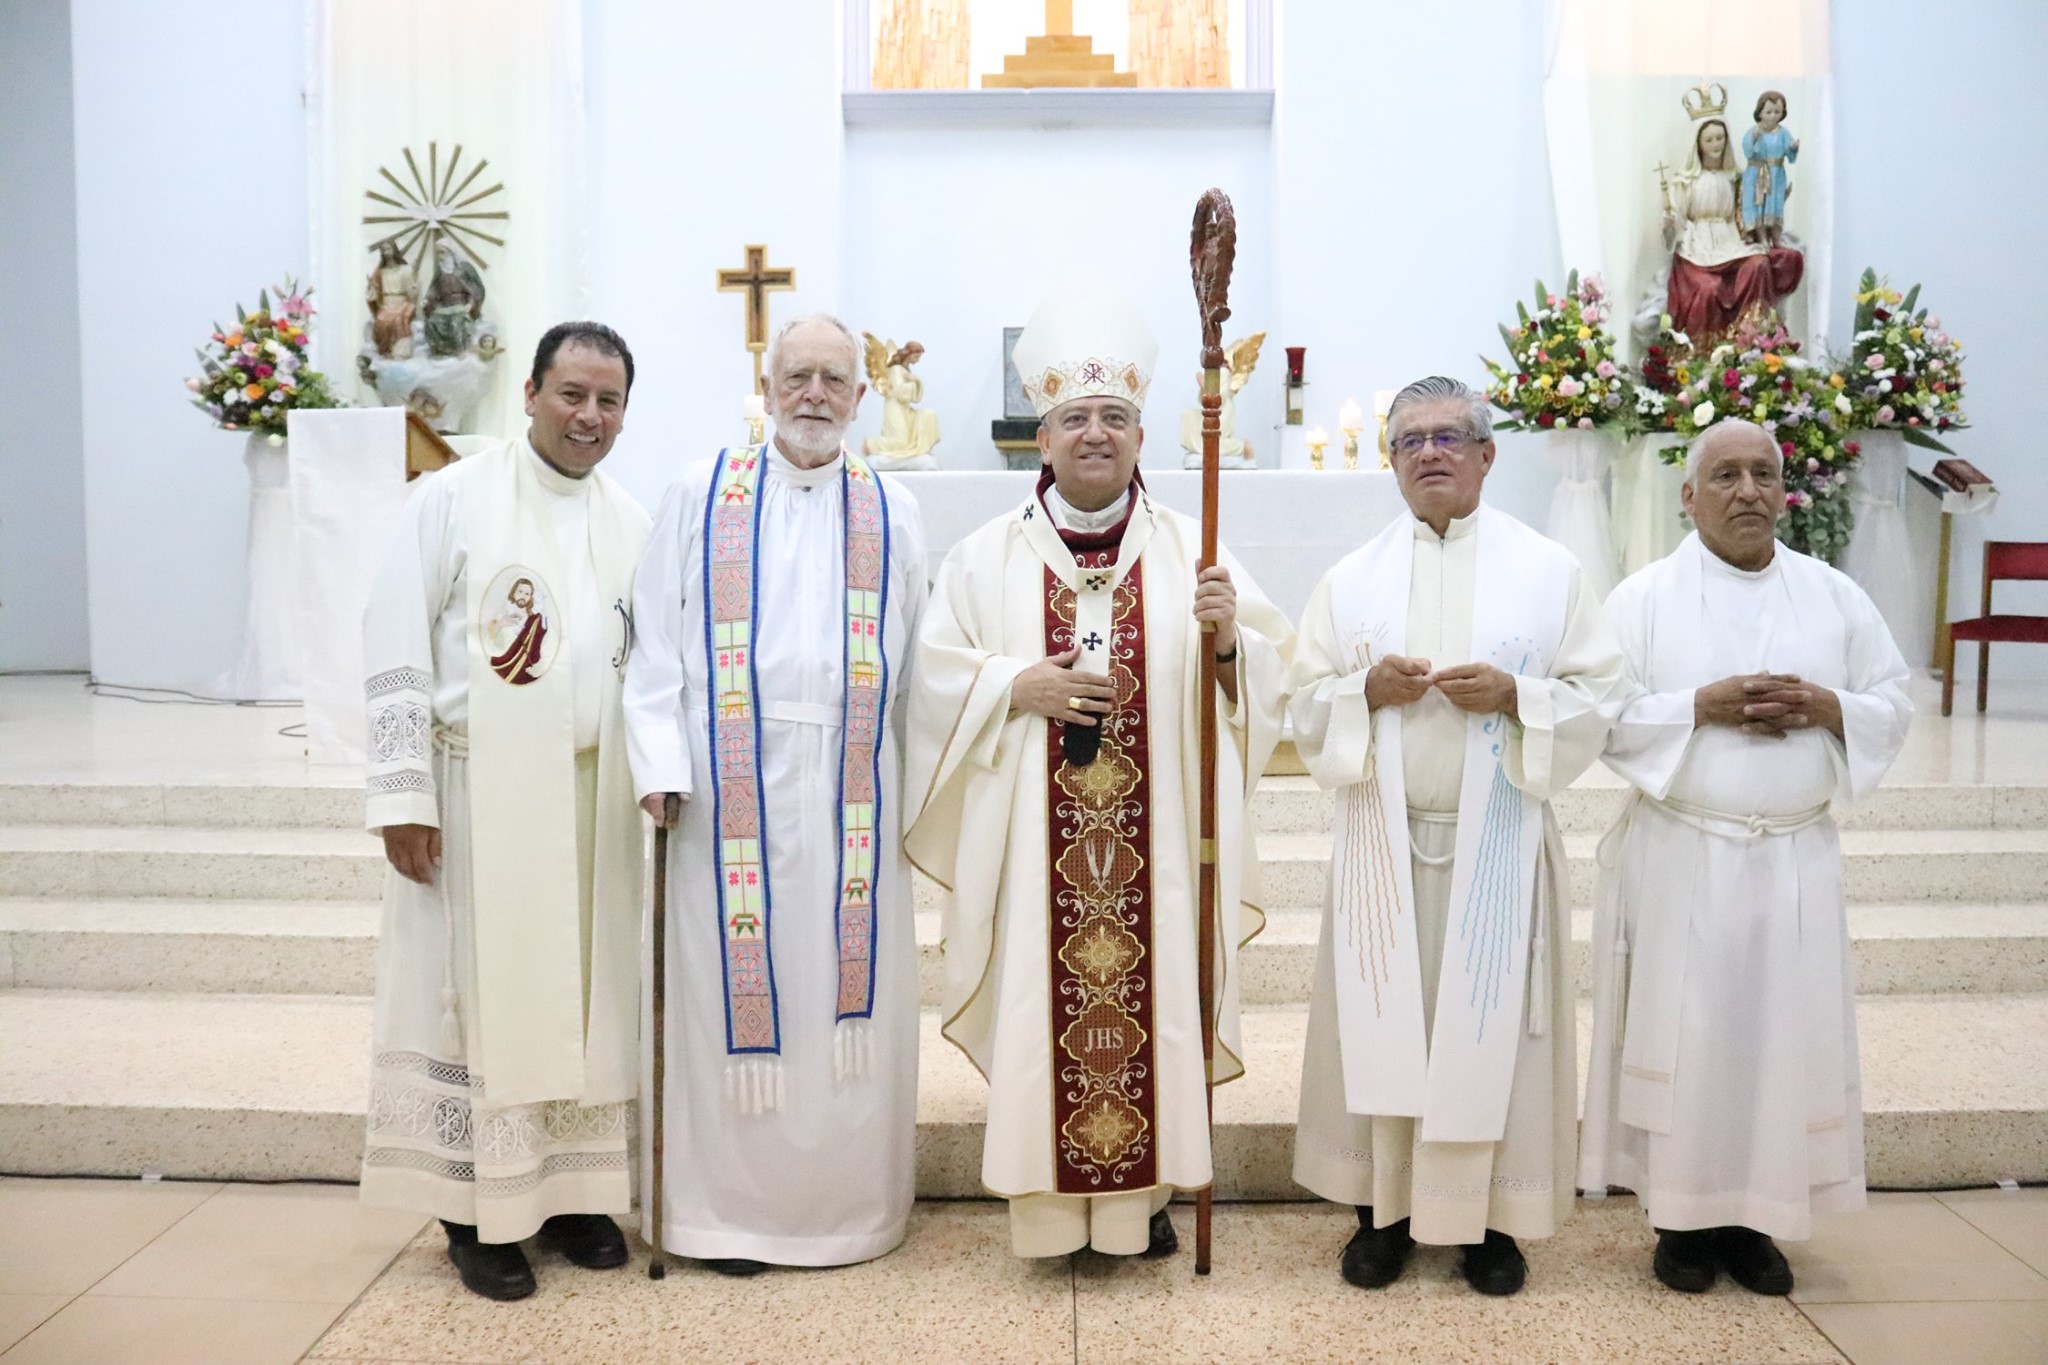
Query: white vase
(1578,509)
(269,666)
(1880,556)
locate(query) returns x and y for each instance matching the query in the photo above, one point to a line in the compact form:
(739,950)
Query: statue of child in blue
(1765,186)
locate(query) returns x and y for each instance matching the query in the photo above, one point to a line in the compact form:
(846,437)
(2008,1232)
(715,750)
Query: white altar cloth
(1286,526)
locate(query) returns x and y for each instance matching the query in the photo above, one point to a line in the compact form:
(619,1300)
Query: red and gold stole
(1098,845)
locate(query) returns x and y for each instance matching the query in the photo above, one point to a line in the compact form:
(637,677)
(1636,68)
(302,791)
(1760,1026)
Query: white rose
(1703,414)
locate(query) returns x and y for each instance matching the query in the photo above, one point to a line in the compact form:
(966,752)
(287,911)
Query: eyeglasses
(1415,442)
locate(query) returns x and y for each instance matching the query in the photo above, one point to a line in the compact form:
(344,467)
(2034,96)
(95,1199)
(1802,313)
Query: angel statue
(1236,454)
(908,434)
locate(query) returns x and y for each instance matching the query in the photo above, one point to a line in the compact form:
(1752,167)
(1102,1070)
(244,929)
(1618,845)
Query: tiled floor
(107,1273)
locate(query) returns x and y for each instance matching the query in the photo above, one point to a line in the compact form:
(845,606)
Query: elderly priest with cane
(1724,1088)
(506,1027)
(1054,725)
(775,611)
(1453,675)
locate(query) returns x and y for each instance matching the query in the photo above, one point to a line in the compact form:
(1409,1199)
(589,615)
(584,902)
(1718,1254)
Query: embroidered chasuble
(1438,1077)
(505,1026)
(1724,1085)
(1070,888)
(774,614)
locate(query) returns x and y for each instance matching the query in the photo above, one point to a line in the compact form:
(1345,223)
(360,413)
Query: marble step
(1287,803)
(329,948)
(274,1087)
(1295,805)
(183,862)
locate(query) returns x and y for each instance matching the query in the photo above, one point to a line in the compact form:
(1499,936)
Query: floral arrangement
(255,371)
(1905,373)
(1806,407)
(1562,369)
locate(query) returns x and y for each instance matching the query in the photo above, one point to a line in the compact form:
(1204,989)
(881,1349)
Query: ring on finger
(1073,703)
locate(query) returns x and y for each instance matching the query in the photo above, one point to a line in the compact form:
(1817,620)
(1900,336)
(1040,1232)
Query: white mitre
(1087,340)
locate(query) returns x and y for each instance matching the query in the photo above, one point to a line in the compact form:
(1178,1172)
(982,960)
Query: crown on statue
(1706,100)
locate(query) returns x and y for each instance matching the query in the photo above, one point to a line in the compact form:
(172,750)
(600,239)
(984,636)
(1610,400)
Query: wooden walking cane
(1212,249)
(671,811)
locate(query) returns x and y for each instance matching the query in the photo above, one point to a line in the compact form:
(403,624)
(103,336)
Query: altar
(1286,526)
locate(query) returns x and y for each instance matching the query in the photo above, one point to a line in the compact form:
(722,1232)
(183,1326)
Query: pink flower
(264,372)
(1812,465)
(1785,448)
(1873,361)
(1569,387)
(1605,369)
(1585,424)
(1885,415)
(1731,379)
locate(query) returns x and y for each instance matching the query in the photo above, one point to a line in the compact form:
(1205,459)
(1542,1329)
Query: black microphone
(1080,742)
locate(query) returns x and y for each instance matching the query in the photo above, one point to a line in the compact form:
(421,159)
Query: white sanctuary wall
(1407,206)
(1942,178)
(191,196)
(42,469)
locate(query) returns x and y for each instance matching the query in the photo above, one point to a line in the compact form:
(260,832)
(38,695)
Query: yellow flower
(1835,381)
(1684,375)
(1544,382)
(1585,333)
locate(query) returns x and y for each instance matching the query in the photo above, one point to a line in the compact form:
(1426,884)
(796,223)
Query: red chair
(2010,559)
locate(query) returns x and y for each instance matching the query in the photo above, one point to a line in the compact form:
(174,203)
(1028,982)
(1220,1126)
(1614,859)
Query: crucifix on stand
(756,279)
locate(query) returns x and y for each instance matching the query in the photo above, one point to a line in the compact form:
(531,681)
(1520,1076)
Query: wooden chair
(2010,559)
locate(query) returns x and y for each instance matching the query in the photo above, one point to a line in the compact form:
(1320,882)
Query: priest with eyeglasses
(1451,676)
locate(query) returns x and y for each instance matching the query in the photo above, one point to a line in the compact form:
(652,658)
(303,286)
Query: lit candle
(1317,438)
(757,407)
(1350,418)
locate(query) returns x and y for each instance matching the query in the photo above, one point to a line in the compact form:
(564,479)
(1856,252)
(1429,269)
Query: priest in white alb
(1724,1088)
(506,1026)
(1453,675)
(1053,759)
(775,611)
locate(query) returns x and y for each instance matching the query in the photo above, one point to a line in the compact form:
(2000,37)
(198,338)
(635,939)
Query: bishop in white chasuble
(1053,756)
(506,1021)
(775,610)
(1764,685)
(1452,676)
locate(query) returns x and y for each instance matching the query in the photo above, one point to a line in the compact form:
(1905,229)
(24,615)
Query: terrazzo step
(1896,950)
(1295,805)
(186,863)
(274,1087)
(276,947)
(228,805)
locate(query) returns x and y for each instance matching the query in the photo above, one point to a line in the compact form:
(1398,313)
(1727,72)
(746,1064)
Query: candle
(757,408)
(1316,436)
(1382,403)
(1349,417)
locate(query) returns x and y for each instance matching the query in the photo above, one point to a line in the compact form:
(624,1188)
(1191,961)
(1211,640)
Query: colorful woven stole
(732,523)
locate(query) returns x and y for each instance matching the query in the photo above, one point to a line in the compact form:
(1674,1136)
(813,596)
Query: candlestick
(1382,407)
(1350,420)
(756,410)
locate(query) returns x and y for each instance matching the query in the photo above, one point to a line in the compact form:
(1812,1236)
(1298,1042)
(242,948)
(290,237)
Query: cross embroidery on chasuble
(1098,845)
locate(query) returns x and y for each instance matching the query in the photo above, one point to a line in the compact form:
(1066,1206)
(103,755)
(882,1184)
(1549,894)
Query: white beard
(799,441)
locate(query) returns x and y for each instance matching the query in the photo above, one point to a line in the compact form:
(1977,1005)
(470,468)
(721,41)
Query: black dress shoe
(1686,1261)
(1375,1257)
(496,1270)
(737,1266)
(590,1240)
(1164,1240)
(1753,1261)
(1495,1266)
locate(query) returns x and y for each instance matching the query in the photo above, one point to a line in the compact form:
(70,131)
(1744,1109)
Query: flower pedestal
(1879,556)
(269,666)
(1578,509)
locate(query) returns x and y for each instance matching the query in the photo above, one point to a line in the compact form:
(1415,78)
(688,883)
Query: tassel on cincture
(1539,982)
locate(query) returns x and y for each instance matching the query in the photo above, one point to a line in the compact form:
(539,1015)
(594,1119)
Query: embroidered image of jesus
(516,636)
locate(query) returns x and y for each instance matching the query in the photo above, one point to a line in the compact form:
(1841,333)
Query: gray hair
(808,319)
(1696,449)
(1478,413)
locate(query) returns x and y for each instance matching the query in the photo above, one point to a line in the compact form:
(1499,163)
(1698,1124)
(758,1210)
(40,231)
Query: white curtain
(1616,71)
(1578,507)
(269,667)
(502,80)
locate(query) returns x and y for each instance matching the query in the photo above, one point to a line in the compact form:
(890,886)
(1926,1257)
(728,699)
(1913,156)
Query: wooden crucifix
(756,279)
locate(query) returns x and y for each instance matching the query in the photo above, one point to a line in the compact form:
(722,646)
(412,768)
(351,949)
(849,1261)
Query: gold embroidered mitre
(1087,340)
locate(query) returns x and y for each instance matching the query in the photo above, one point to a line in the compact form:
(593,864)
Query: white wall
(191,197)
(42,473)
(1391,214)
(1942,178)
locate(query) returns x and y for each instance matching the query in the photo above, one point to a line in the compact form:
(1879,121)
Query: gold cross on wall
(757,279)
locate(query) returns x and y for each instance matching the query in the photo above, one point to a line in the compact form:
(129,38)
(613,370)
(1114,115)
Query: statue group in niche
(428,349)
(1732,263)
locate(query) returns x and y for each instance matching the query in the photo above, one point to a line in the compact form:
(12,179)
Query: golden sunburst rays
(436,206)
